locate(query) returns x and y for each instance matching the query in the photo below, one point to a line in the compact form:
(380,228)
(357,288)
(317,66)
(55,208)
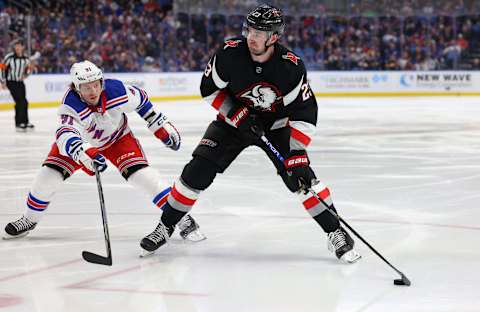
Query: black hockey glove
(299,173)
(244,120)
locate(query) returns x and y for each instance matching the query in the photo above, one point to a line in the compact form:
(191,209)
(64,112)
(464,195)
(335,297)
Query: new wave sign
(439,80)
(396,83)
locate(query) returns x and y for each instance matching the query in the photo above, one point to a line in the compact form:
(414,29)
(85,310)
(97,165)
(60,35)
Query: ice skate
(340,243)
(19,228)
(156,239)
(190,230)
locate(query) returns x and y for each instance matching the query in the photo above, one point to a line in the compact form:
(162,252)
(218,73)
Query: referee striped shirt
(16,67)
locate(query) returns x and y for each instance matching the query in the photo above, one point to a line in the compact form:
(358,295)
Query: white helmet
(84,72)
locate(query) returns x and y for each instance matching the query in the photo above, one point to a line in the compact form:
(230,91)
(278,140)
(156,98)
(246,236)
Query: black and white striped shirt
(16,67)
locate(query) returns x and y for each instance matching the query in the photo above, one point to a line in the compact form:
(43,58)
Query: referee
(16,69)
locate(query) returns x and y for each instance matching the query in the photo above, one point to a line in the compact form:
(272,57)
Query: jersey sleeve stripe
(145,104)
(143,109)
(118,99)
(219,99)
(299,136)
(216,78)
(116,104)
(63,130)
(292,95)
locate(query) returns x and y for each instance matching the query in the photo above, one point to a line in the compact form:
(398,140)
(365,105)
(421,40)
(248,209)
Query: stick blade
(97,259)
(404,281)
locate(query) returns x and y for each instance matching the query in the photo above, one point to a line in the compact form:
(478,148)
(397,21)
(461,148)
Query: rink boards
(48,90)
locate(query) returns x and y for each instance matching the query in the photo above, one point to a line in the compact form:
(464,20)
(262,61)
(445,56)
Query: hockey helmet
(266,18)
(84,72)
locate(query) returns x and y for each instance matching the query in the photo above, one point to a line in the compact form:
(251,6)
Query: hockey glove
(86,158)
(299,173)
(245,121)
(165,131)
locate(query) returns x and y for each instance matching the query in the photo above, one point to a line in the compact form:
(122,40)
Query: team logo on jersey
(231,44)
(261,96)
(292,57)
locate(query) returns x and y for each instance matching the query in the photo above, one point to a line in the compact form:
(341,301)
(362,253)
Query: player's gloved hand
(246,121)
(87,158)
(299,173)
(165,131)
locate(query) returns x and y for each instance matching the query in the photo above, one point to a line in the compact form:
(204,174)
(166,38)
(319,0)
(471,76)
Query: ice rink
(405,173)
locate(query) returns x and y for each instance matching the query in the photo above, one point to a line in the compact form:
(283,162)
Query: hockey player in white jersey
(93,127)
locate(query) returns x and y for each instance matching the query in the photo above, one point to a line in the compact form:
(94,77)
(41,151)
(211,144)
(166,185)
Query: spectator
(121,35)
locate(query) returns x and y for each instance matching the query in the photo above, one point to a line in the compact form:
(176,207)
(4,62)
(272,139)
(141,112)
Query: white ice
(405,173)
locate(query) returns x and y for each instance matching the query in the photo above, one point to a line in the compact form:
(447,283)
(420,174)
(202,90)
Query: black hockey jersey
(277,90)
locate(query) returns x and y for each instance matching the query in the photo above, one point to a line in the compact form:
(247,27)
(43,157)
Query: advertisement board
(48,90)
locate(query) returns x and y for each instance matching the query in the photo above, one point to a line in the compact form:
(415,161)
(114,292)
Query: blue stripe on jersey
(86,116)
(143,109)
(63,130)
(145,104)
(69,143)
(118,104)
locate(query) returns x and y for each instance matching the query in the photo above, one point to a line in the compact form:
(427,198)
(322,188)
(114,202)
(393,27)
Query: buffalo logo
(292,57)
(231,44)
(262,97)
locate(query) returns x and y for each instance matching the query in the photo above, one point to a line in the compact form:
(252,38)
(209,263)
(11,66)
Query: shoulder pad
(115,92)
(114,88)
(72,100)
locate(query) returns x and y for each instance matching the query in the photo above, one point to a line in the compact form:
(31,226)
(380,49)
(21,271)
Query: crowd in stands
(146,35)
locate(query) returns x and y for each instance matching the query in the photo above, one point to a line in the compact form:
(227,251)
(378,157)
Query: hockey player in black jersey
(258,87)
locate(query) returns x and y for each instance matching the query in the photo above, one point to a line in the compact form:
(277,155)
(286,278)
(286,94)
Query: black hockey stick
(401,281)
(89,256)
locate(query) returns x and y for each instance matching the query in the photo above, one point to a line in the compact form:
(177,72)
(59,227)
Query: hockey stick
(89,256)
(403,280)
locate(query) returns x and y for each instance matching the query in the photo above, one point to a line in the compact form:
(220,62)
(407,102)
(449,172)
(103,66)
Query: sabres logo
(231,44)
(292,57)
(261,96)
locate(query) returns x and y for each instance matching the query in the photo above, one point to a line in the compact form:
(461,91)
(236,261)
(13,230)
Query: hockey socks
(149,181)
(318,209)
(171,216)
(179,202)
(46,183)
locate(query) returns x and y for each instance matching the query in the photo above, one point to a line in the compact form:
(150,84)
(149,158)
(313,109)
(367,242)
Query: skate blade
(195,237)
(145,253)
(7,236)
(351,256)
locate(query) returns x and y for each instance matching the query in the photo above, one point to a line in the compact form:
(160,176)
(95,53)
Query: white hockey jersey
(102,125)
